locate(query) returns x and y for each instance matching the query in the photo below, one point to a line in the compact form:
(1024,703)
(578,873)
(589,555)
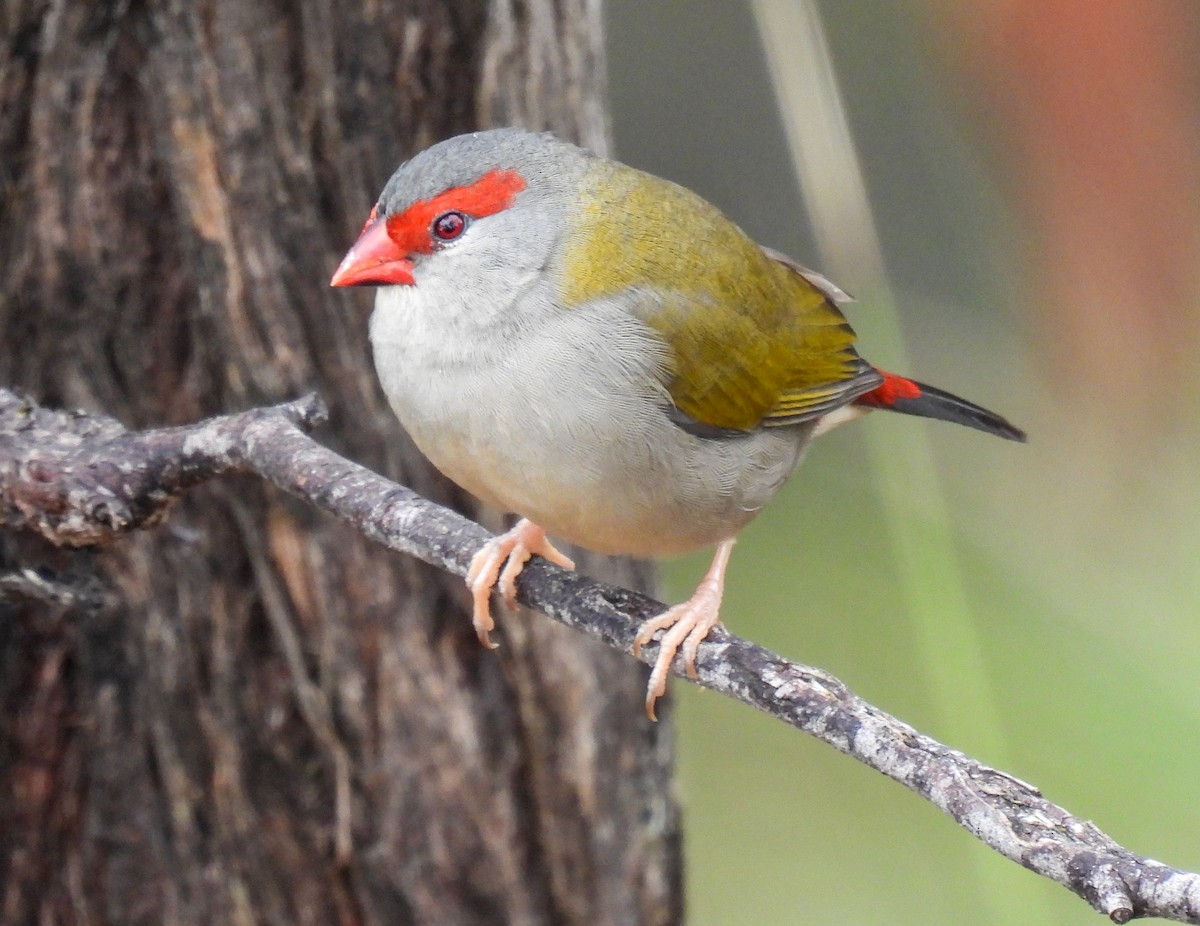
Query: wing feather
(755,339)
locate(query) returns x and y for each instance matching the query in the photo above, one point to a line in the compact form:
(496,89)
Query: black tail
(912,398)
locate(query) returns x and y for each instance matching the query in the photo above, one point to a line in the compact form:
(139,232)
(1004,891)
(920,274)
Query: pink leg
(686,626)
(511,550)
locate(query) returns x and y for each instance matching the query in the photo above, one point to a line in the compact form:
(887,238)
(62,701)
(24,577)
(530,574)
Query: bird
(604,354)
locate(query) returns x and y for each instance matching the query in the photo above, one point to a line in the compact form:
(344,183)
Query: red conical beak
(374,260)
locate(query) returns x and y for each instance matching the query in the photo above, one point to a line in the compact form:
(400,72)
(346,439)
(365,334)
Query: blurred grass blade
(915,510)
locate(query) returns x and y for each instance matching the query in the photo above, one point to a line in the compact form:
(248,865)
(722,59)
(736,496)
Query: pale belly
(573,435)
(635,484)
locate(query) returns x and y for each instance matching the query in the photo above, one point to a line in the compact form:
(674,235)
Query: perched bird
(605,354)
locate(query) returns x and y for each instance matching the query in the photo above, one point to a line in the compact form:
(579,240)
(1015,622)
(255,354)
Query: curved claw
(497,565)
(481,578)
(686,626)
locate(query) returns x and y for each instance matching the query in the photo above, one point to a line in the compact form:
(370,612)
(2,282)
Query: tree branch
(82,480)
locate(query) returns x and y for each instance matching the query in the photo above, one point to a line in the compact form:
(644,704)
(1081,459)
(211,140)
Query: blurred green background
(1033,175)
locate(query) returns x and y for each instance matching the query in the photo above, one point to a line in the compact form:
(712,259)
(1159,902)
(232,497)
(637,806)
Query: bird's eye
(449,225)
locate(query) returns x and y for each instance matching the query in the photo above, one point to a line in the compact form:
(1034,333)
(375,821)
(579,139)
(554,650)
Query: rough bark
(71,478)
(248,714)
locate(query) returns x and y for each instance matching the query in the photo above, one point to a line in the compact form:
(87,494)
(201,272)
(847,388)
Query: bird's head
(490,202)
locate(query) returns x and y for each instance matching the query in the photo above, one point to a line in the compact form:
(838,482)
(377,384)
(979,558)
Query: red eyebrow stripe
(494,191)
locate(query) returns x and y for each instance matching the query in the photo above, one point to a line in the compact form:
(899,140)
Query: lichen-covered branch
(78,480)
(83,480)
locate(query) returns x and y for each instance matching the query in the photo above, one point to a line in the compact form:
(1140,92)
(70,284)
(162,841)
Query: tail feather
(909,397)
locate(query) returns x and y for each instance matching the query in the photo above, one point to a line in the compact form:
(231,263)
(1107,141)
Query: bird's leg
(686,626)
(511,550)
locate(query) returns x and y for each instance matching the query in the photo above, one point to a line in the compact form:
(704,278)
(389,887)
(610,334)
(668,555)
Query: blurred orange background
(1033,174)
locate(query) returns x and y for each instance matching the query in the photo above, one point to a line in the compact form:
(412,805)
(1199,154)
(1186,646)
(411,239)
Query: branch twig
(81,480)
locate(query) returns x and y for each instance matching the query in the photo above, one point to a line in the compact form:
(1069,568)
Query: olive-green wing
(754,340)
(805,400)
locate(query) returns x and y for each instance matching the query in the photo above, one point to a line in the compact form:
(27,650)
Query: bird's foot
(497,565)
(686,626)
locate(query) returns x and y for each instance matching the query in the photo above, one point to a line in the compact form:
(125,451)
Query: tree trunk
(250,714)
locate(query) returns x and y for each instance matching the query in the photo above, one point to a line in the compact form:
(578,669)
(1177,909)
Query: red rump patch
(494,191)
(891,390)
